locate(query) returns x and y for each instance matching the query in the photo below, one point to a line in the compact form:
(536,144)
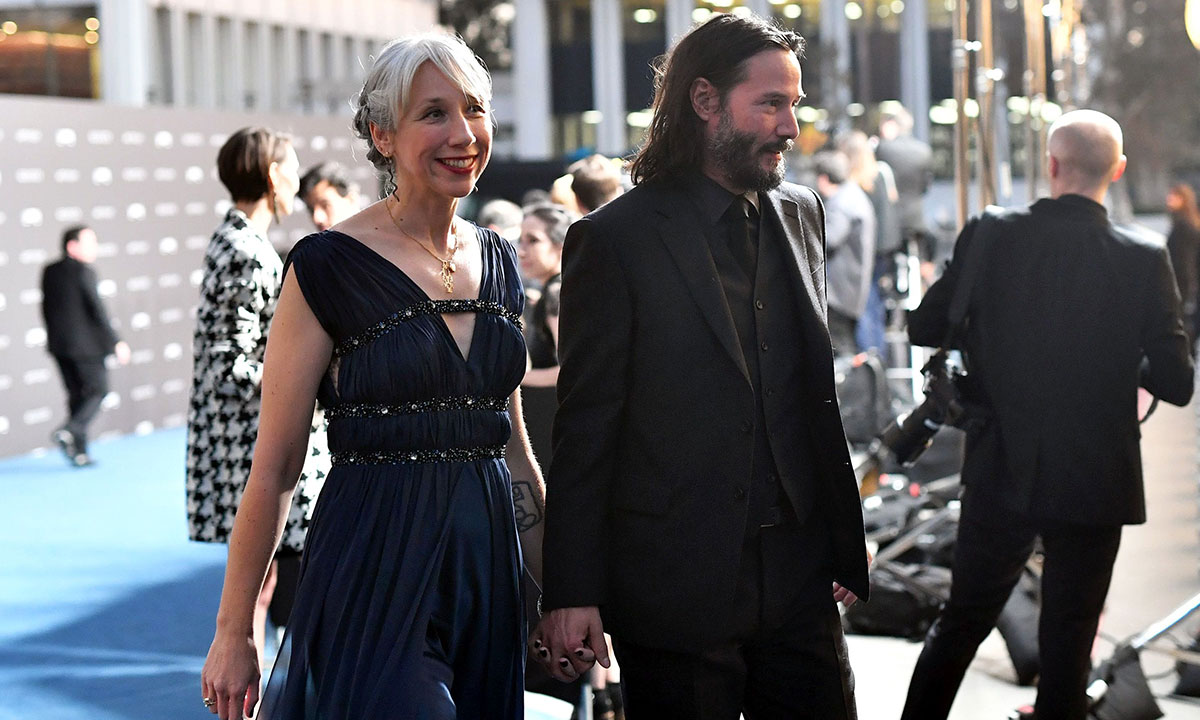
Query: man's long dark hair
(716,51)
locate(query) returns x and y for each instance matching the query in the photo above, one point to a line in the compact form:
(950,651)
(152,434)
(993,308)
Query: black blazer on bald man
(1067,316)
(654,439)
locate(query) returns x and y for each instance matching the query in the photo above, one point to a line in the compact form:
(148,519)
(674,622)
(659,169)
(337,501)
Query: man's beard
(738,156)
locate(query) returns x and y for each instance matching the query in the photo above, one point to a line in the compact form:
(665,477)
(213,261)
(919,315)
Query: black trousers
(991,550)
(785,658)
(86,382)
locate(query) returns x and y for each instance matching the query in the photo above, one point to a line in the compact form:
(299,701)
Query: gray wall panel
(145,179)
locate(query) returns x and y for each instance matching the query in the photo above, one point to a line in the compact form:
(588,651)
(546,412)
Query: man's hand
(569,641)
(844,596)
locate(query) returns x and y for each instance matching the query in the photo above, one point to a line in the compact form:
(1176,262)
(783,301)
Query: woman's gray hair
(556,218)
(385,93)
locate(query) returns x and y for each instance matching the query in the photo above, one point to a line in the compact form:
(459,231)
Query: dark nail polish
(537,643)
(564,663)
(579,653)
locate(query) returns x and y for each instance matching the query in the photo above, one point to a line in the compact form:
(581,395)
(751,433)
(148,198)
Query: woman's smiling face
(443,141)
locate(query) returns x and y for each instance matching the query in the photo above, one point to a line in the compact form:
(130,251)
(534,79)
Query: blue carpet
(106,609)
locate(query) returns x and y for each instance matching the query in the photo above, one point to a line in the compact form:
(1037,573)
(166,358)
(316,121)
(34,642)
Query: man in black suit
(79,336)
(911,160)
(702,501)
(1067,315)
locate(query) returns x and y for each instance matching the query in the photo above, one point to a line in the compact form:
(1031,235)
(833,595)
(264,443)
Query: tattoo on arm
(526,506)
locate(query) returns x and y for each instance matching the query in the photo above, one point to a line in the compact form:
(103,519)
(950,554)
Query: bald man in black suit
(1067,316)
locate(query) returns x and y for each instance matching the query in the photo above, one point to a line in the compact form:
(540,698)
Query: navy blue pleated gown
(409,603)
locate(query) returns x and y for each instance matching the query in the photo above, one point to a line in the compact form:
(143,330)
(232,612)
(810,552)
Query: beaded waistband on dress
(376,410)
(416,310)
(410,457)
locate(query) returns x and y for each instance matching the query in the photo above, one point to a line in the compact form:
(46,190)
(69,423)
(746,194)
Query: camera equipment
(909,435)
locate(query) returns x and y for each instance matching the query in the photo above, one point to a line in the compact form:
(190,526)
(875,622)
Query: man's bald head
(1085,152)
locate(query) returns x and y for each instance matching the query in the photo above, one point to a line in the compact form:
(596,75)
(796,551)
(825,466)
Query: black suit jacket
(77,324)
(911,161)
(1068,314)
(653,435)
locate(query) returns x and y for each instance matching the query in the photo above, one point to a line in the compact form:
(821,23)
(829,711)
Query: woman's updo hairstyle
(386,91)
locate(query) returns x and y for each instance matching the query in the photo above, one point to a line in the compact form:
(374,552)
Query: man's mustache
(779,147)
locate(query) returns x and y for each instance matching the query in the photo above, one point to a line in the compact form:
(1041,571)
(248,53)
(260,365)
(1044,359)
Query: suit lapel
(805,257)
(684,237)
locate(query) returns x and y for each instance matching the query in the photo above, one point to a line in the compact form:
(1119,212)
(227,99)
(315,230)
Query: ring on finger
(209,702)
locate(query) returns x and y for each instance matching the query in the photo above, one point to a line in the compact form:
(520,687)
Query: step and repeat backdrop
(145,179)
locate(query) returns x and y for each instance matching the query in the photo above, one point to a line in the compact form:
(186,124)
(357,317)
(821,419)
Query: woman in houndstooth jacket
(242,279)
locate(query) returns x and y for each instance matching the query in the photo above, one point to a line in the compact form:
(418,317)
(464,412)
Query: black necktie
(743,235)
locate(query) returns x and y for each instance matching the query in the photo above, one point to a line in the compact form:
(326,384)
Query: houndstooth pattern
(242,278)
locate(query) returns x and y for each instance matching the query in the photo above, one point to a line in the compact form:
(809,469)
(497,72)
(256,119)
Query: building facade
(111,115)
(581,76)
(276,56)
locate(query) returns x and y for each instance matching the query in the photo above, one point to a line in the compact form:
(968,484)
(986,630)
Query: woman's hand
(231,676)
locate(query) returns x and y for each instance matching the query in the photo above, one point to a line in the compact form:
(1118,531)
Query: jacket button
(739,493)
(764,346)
(759,304)
(746,426)
(768,392)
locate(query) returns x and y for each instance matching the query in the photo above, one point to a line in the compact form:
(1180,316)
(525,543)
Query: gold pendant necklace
(448,265)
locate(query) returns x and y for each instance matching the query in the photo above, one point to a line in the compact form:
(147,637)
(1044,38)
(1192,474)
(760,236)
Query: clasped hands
(569,641)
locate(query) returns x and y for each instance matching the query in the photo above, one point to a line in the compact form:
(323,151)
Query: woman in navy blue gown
(404,322)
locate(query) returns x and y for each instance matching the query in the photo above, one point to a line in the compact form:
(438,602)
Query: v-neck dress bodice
(409,603)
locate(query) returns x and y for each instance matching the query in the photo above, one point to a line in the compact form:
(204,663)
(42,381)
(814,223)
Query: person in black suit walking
(702,500)
(79,336)
(1071,315)
(911,159)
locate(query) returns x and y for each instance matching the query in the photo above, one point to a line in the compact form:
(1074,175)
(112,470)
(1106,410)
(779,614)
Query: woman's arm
(529,492)
(297,355)
(541,377)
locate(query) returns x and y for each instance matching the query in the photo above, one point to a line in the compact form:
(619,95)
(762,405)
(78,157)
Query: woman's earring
(273,198)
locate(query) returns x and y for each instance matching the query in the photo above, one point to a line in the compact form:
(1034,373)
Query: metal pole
(1163,626)
(914,65)
(1035,92)
(985,95)
(961,64)
(835,79)
(1067,77)
(1001,141)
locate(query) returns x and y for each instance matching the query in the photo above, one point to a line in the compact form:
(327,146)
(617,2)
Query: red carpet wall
(145,179)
